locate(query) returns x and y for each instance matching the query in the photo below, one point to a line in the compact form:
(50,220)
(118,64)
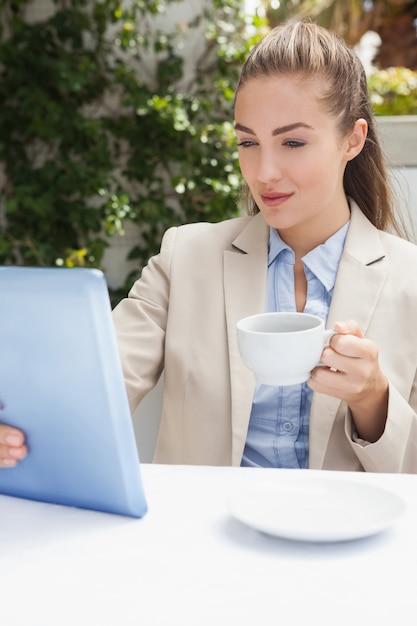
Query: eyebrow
(276,131)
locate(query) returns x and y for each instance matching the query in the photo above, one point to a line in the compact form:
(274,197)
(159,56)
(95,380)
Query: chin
(278,221)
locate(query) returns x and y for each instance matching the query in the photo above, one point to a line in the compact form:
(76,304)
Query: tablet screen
(61,383)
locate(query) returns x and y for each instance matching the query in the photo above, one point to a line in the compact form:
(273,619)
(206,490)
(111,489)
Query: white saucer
(303,506)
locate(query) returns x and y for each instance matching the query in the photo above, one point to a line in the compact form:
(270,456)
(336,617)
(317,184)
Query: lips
(272,198)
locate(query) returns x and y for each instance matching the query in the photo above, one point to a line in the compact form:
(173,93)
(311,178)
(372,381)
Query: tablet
(61,383)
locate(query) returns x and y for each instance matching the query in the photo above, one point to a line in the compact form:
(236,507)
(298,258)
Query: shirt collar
(322,261)
(276,245)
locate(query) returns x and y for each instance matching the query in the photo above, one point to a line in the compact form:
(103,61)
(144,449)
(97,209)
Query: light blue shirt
(278,434)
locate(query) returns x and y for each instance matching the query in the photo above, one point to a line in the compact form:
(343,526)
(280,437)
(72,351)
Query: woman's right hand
(12,446)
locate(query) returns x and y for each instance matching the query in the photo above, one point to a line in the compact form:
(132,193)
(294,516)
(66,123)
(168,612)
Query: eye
(246,143)
(293,143)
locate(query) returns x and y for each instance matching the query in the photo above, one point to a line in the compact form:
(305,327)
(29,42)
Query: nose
(269,168)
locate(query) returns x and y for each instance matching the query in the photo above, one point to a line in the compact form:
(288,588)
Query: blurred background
(116,118)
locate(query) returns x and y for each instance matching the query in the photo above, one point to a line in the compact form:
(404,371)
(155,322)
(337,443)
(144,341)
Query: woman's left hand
(352,373)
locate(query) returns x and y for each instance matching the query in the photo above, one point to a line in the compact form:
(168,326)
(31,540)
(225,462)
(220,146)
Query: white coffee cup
(282,348)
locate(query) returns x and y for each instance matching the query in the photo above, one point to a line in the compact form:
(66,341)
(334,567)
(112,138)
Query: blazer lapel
(360,279)
(245,273)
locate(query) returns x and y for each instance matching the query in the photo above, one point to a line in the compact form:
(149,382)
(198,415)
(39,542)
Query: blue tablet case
(61,383)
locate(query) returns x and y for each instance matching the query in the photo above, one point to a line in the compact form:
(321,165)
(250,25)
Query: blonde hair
(306,49)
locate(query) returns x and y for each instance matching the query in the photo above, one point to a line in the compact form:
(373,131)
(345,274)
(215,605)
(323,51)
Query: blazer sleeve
(140,324)
(396,450)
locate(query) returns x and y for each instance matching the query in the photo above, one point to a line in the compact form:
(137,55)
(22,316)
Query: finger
(327,380)
(349,327)
(10,456)
(349,347)
(12,446)
(343,346)
(11,436)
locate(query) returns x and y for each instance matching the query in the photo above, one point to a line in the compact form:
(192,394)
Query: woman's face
(292,156)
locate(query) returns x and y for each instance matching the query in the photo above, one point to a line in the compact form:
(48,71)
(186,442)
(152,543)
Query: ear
(356,140)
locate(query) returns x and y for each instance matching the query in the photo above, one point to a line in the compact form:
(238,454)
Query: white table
(189,563)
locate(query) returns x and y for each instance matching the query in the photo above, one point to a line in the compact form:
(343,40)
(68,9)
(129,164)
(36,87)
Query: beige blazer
(181,317)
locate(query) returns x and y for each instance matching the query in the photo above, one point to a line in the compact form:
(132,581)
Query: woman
(316,240)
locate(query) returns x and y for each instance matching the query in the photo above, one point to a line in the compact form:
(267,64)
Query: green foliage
(96,130)
(393,91)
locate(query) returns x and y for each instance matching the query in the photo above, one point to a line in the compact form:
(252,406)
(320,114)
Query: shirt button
(287,426)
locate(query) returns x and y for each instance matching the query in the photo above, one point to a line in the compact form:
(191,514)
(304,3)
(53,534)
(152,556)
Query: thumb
(349,327)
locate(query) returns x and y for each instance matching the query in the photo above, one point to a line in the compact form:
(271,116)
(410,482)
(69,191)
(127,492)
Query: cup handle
(326,338)
(327,334)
